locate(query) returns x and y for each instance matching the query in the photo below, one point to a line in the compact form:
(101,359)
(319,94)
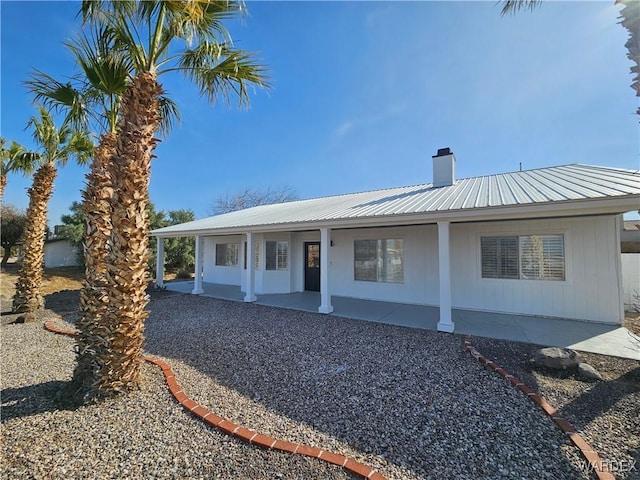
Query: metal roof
(541,186)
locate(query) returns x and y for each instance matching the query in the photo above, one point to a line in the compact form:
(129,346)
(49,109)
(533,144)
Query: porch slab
(558,332)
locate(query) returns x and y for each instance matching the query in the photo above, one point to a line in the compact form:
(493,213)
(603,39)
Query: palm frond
(59,97)
(170,115)
(514,6)
(220,71)
(106,71)
(58,144)
(16,158)
(81,147)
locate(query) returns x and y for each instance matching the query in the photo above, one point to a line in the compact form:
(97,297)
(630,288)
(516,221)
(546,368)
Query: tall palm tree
(94,98)
(14,159)
(56,147)
(148,31)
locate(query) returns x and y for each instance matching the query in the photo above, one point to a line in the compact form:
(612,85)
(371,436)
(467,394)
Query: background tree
(149,33)
(73,227)
(180,252)
(56,147)
(253,197)
(12,222)
(73,224)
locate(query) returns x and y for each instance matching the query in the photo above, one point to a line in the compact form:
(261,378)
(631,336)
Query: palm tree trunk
(92,340)
(127,260)
(28,297)
(3,184)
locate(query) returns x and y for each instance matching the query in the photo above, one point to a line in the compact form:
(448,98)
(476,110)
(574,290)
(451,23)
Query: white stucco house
(542,242)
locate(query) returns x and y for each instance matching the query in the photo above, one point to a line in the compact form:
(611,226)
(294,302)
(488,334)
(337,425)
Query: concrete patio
(584,336)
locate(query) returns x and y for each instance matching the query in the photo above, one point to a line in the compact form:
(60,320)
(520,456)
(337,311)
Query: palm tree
(147,32)
(95,98)
(57,145)
(14,159)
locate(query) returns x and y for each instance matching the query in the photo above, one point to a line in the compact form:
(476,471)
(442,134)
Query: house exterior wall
(218,274)
(60,253)
(273,281)
(420,265)
(592,286)
(592,289)
(266,281)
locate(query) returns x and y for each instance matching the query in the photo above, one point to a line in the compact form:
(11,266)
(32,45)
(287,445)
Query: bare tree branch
(252,197)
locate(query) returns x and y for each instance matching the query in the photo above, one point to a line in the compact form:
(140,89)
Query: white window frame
(228,257)
(281,260)
(379,261)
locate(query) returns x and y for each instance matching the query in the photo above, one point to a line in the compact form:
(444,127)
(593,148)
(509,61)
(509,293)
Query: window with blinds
(277,255)
(379,260)
(542,257)
(499,257)
(531,257)
(227,254)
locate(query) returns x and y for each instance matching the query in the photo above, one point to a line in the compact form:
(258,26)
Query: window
(532,257)
(227,254)
(379,260)
(277,255)
(499,257)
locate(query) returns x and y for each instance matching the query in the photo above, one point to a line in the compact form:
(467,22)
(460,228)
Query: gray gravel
(408,402)
(607,414)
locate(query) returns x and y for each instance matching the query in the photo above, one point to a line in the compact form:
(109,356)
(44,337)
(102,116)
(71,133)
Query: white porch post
(197,284)
(250,293)
(160,262)
(445,324)
(325,294)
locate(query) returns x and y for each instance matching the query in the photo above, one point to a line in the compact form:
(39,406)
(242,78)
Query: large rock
(557,358)
(587,372)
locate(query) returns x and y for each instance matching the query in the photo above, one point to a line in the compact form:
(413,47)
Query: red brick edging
(588,452)
(242,433)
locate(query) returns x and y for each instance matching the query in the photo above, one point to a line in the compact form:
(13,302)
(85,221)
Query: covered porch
(585,336)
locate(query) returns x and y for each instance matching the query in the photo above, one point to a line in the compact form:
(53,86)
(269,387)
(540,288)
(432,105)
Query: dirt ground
(54,280)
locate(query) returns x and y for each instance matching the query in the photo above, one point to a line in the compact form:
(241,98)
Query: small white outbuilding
(60,253)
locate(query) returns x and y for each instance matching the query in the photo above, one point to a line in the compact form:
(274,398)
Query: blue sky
(364,93)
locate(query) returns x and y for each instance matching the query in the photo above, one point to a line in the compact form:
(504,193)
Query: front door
(312,266)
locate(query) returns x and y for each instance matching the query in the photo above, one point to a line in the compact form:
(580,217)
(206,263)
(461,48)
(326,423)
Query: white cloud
(344,128)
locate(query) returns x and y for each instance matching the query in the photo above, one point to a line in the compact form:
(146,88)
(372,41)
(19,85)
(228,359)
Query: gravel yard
(410,403)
